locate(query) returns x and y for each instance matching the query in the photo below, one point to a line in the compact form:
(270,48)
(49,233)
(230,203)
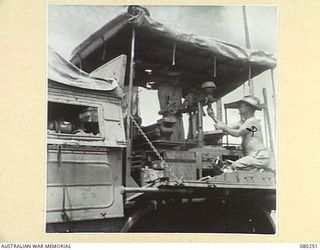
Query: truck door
(83,173)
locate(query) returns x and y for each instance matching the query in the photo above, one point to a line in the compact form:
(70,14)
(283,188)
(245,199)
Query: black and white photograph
(162,119)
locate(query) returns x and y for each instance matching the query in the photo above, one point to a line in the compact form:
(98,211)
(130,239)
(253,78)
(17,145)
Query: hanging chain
(164,163)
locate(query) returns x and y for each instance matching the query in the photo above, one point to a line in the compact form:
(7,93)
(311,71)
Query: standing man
(255,153)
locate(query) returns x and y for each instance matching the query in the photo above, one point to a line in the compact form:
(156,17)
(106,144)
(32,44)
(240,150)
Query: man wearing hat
(249,128)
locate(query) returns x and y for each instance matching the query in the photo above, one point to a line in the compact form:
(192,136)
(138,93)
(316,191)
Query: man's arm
(234,130)
(217,121)
(242,130)
(235,125)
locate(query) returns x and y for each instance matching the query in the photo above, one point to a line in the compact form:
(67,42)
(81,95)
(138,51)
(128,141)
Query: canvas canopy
(62,71)
(198,58)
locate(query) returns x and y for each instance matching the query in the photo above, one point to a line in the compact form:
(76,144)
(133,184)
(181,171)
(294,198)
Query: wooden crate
(182,163)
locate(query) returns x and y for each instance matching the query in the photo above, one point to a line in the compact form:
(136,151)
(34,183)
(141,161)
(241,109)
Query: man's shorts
(258,159)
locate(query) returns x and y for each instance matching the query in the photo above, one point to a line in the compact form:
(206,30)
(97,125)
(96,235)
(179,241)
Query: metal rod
(190,128)
(273,92)
(265,127)
(274,98)
(132,197)
(250,82)
(153,190)
(129,99)
(200,125)
(226,121)
(214,66)
(246,30)
(219,113)
(79,184)
(174,55)
(264,92)
(248,46)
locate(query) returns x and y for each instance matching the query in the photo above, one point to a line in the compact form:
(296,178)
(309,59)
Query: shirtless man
(255,153)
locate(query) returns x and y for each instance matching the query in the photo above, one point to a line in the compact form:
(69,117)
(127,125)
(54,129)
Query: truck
(106,172)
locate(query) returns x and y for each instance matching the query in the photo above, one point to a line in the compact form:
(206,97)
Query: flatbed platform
(238,179)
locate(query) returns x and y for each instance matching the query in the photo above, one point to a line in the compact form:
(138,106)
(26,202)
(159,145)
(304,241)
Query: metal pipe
(246,30)
(274,92)
(153,190)
(226,121)
(219,113)
(265,127)
(214,66)
(174,55)
(132,197)
(264,92)
(128,129)
(248,46)
(250,81)
(274,98)
(200,125)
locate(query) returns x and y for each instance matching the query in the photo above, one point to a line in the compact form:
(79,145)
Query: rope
(135,18)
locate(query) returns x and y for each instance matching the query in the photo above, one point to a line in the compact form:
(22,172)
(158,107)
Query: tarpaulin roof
(62,71)
(195,55)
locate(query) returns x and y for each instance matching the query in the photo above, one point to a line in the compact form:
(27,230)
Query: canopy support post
(219,113)
(266,110)
(246,30)
(200,125)
(226,121)
(273,90)
(265,128)
(174,54)
(214,66)
(129,111)
(250,82)
(248,46)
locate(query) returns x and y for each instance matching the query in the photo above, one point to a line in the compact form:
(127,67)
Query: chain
(165,165)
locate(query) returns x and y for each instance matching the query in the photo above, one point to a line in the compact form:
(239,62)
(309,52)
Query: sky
(68,25)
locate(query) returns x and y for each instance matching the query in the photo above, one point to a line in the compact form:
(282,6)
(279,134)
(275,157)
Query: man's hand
(212,115)
(210,112)
(219,125)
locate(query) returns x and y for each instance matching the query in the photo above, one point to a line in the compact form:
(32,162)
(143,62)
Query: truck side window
(70,119)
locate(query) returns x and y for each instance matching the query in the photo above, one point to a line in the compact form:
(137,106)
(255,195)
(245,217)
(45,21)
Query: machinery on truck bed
(108,173)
